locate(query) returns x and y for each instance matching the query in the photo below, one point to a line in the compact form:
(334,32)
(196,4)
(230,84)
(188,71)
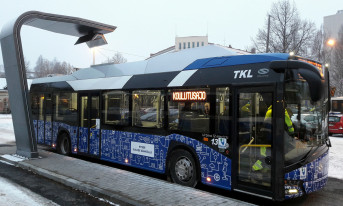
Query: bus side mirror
(309,72)
(316,84)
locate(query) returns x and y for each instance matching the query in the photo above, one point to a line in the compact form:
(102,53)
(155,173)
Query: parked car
(336,124)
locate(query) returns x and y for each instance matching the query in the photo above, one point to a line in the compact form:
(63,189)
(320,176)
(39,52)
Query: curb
(75,184)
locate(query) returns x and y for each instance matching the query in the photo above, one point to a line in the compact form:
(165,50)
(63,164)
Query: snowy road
(13,194)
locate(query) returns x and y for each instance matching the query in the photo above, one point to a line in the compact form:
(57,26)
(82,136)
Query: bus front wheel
(64,144)
(183,169)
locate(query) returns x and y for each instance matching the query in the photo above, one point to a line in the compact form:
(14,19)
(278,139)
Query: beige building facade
(333,24)
(190,42)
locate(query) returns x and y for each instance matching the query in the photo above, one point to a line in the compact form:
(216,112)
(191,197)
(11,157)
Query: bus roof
(188,59)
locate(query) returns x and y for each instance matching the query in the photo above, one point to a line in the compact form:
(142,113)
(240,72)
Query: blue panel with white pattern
(40,131)
(83,140)
(55,129)
(48,132)
(72,133)
(314,175)
(116,147)
(35,126)
(94,141)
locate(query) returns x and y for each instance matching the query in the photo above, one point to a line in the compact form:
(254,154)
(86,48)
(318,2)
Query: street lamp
(331,42)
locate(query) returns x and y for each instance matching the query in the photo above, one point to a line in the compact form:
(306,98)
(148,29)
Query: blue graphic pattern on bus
(35,125)
(314,175)
(94,141)
(55,128)
(83,139)
(116,147)
(48,133)
(72,130)
(40,131)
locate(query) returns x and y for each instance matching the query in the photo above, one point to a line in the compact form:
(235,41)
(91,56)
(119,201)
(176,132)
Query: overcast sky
(149,26)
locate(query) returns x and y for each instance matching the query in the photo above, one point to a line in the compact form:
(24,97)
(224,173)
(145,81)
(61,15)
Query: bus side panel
(35,126)
(48,131)
(72,130)
(40,132)
(55,126)
(149,152)
(83,139)
(212,163)
(314,175)
(94,141)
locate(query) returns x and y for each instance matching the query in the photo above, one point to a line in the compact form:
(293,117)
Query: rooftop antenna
(224,39)
(207,30)
(175,30)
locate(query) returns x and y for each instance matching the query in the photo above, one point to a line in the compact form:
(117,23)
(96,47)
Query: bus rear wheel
(63,146)
(183,169)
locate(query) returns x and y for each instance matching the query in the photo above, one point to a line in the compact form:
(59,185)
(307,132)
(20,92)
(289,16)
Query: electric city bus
(205,115)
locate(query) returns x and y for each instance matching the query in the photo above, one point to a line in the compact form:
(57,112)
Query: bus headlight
(293,191)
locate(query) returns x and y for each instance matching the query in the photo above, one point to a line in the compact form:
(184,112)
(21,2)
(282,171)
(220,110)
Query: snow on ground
(336,151)
(6,129)
(336,157)
(14,194)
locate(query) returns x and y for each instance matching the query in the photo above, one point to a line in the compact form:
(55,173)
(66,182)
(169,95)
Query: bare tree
(287,31)
(117,58)
(45,67)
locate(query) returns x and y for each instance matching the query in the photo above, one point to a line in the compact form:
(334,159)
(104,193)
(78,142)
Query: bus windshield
(309,119)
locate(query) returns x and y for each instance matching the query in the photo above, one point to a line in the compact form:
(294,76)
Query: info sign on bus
(189,96)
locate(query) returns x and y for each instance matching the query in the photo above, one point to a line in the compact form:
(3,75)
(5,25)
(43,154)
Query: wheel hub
(184,169)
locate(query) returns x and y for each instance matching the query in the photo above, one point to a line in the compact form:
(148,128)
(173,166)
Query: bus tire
(63,146)
(183,169)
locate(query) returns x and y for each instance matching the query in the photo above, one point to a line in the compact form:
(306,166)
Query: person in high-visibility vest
(258,165)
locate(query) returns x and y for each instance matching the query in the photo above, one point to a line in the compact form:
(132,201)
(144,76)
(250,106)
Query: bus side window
(222,120)
(189,113)
(147,108)
(65,108)
(116,108)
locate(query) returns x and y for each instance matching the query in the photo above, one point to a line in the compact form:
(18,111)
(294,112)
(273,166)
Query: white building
(333,24)
(191,42)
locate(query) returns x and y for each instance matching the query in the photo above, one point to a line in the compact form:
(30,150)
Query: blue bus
(203,115)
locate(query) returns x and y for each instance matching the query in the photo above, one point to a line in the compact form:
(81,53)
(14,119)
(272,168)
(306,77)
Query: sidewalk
(114,184)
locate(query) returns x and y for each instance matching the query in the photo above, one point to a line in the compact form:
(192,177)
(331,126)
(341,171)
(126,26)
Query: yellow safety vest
(288,120)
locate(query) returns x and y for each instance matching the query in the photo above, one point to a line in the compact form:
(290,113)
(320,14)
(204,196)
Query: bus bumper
(309,178)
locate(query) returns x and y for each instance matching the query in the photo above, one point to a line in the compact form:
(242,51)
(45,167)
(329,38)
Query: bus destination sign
(189,96)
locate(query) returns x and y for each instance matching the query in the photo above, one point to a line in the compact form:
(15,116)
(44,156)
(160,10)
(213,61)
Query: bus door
(254,140)
(89,130)
(48,119)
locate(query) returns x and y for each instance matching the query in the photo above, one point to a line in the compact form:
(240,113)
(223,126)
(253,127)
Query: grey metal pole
(268,33)
(14,64)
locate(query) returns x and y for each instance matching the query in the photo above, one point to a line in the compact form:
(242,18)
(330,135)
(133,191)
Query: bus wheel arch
(183,166)
(63,143)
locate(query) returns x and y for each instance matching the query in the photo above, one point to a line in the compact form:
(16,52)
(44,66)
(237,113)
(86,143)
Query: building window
(197,44)
(189,44)
(202,43)
(147,108)
(180,46)
(116,108)
(184,45)
(193,44)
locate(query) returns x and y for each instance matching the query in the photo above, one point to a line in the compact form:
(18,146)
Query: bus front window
(308,120)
